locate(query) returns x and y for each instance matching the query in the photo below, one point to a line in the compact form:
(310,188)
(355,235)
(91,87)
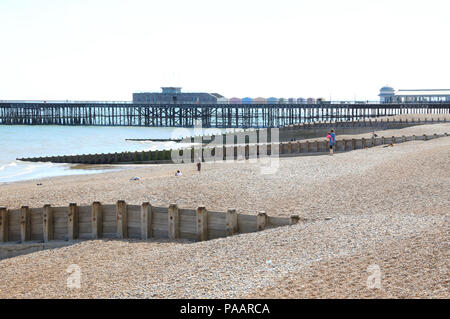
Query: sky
(105,50)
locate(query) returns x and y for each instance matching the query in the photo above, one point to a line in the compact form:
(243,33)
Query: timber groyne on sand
(239,145)
(27,229)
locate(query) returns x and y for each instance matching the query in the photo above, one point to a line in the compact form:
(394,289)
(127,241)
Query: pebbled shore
(382,206)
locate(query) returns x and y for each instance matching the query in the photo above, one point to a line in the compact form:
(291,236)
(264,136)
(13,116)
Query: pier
(210,116)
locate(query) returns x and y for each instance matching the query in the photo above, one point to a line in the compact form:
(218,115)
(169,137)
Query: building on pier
(390,95)
(173,95)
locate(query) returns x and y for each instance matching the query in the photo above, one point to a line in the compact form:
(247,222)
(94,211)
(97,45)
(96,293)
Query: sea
(20,141)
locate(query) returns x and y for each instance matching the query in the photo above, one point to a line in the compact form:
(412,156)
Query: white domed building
(387,94)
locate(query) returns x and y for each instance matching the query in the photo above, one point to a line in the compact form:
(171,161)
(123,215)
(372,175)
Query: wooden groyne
(190,115)
(121,221)
(233,152)
(319,129)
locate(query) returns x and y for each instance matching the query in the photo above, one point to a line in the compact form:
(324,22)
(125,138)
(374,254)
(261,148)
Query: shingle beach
(385,207)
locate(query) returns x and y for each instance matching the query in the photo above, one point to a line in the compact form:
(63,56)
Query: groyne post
(146,221)
(294,219)
(25,224)
(261,221)
(3,225)
(202,224)
(174,222)
(97,220)
(231,220)
(47,220)
(72,222)
(121,218)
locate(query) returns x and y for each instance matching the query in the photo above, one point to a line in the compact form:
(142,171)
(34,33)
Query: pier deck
(187,115)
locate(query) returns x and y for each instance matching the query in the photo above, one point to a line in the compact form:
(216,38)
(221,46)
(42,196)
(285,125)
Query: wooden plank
(37,232)
(13,225)
(109,228)
(134,221)
(278,221)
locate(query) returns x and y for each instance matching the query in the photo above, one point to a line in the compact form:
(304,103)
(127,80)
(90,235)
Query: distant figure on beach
(178,173)
(331,140)
(374,135)
(199,166)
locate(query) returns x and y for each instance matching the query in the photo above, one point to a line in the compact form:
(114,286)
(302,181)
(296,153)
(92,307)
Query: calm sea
(18,141)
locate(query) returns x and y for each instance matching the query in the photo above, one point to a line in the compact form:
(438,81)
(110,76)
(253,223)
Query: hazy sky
(108,49)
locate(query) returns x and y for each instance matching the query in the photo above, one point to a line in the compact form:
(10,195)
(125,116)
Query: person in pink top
(331,140)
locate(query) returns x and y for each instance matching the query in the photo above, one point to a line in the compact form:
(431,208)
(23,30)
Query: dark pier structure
(209,115)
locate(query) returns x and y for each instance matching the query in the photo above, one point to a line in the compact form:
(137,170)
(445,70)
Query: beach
(383,206)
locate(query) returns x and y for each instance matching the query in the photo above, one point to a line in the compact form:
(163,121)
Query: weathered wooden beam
(146,221)
(261,221)
(122,220)
(231,220)
(72,222)
(294,219)
(3,224)
(47,221)
(174,222)
(97,220)
(25,224)
(202,224)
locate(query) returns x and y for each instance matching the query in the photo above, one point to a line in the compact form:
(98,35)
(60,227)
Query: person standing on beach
(199,166)
(331,140)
